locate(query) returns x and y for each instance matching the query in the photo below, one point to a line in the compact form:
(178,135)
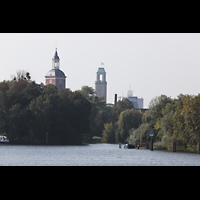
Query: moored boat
(3,139)
(129,146)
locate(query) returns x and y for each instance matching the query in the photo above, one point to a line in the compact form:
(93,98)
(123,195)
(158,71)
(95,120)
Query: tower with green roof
(101,84)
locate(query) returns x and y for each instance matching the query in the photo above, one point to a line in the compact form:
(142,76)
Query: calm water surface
(91,155)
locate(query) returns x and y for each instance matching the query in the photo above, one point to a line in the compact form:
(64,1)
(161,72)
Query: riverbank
(179,148)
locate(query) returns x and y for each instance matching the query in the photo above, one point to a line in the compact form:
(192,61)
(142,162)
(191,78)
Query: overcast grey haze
(153,63)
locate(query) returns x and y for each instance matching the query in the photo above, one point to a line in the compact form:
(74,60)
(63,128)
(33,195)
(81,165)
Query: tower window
(101,77)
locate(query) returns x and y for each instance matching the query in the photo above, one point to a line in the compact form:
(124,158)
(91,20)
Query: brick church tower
(55,76)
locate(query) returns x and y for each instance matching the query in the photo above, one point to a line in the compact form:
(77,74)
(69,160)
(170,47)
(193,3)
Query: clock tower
(55,76)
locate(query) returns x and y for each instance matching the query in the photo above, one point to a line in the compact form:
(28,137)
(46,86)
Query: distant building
(137,101)
(101,84)
(140,102)
(55,76)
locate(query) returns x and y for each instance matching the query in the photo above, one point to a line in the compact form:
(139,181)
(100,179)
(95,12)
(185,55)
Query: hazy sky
(154,64)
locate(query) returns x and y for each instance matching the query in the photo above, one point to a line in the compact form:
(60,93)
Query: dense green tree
(154,114)
(178,121)
(186,120)
(156,105)
(87,92)
(4,86)
(119,107)
(191,111)
(79,116)
(129,119)
(144,128)
(64,115)
(100,112)
(45,112)
(108,133)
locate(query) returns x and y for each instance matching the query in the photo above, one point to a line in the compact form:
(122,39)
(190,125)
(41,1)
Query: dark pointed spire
(55,60)
(56,55)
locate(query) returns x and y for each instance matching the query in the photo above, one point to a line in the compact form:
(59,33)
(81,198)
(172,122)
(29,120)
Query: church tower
(55,76)
(101,84)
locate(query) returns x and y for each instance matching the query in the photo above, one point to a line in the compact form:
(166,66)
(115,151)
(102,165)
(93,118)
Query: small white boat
(4,139)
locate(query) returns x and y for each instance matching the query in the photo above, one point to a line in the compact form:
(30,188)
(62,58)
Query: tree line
(172,120)
(28,111)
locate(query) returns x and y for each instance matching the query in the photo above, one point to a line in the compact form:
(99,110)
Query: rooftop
(55,73)
(101,70)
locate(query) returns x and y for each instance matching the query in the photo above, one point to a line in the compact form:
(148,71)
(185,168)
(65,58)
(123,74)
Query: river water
(92,155)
